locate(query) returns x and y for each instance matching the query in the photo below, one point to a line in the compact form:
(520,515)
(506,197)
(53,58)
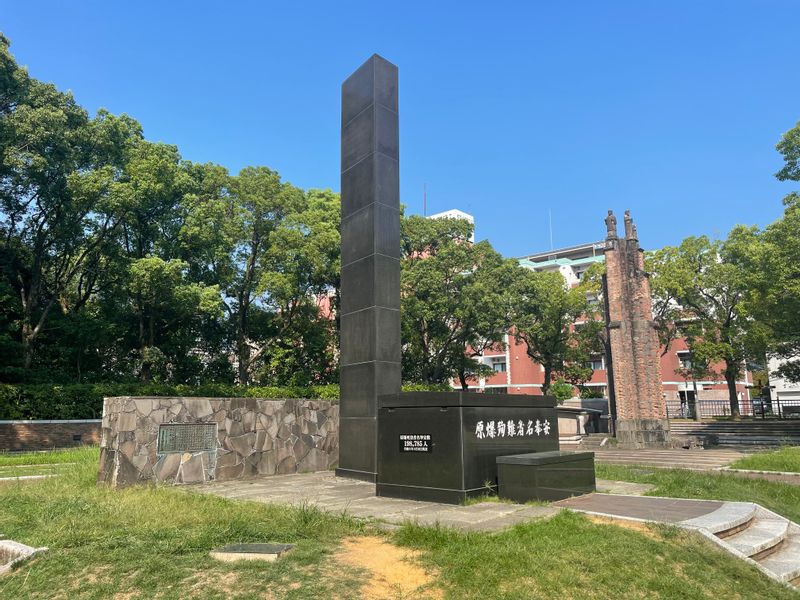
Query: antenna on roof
(550,210)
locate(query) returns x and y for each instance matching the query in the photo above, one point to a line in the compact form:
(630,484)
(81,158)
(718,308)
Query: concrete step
(758,441)
(761,536)
(730,517)
(785,563)
(739,430)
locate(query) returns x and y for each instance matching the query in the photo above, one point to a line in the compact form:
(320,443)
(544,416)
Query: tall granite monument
(370,285)
(637,402)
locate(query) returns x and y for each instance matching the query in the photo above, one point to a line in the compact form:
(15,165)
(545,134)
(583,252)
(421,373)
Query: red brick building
(515,373)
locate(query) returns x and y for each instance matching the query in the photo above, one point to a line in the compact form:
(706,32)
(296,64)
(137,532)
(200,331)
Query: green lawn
(9,459)
(149,542)
(22,470)
(786,459)
(781,498)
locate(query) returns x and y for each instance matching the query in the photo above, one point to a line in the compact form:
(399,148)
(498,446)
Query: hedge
(85,401)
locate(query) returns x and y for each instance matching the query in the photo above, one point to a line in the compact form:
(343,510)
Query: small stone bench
(545,476)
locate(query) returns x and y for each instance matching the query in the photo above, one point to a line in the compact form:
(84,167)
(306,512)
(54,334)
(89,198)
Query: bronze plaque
(187,437)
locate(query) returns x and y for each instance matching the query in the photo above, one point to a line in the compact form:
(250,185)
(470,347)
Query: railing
(756,408)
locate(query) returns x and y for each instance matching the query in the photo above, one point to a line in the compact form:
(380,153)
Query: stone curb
(781,473)
(21,551)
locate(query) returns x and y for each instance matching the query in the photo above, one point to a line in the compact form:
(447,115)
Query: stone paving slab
(645,508)
(357,498)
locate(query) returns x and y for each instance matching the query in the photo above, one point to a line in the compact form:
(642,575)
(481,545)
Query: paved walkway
(697,460)
(644,508)
(357,498)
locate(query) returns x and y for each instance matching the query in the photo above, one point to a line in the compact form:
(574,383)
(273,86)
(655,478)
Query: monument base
(643,433)
(443,446)
(359,475)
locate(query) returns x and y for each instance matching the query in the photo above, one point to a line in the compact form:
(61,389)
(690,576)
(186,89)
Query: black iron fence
(758,408)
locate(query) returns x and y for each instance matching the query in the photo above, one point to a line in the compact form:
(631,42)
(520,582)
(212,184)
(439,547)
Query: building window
(684,359)
(499,364)
(596,363)
(496,390)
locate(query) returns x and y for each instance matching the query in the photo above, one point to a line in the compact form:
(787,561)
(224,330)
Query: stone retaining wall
(46,435)
(253,437)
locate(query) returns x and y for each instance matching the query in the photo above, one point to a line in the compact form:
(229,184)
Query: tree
(709,281)
(778,300)
(301,267)
(544,313)
(58,192)
(455,298)
(262,201)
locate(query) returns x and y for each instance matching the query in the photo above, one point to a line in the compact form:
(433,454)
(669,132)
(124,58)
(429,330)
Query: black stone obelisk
(370,286)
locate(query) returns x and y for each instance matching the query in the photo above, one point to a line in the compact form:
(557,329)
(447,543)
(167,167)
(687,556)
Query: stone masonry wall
(46,435)
(253,437)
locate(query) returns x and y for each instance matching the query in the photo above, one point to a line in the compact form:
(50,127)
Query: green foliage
(455,300)
(789,147)
(709,285)
(119,260)
(544,311)
(587,392)
(561,390)
(85,401)
(786,459)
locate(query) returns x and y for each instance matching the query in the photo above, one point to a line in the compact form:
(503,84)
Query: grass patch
(153,542)
(781,498)
(569,556)
(786,459)
(52,457)
(25,470)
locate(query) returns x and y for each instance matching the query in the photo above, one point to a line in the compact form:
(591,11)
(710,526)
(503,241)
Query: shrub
(85,401)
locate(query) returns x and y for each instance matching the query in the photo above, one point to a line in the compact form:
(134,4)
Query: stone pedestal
(643,433)
(444,446)
(370,285)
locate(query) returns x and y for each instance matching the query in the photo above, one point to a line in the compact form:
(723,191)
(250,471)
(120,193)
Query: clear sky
(507,110)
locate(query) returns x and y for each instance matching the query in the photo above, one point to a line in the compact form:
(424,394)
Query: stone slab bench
(545,476)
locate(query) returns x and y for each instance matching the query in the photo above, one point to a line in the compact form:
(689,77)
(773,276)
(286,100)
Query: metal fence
(757,408)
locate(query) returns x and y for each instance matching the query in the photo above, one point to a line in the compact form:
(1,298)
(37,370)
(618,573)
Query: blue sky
(507,110)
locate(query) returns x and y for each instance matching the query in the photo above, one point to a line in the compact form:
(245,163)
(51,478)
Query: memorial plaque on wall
(187,437)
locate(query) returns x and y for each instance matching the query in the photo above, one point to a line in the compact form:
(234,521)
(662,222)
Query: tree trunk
(243,353)
(462,378)
(548,374)
(27,345)
(731,371)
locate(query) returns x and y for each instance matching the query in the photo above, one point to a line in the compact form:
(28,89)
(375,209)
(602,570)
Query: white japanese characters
(510,428)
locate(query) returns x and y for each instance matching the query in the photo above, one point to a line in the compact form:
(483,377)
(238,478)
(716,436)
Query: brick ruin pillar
(370,287)
(634,367)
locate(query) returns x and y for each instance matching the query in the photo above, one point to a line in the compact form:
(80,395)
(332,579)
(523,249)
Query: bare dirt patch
(392,571)
(641,527)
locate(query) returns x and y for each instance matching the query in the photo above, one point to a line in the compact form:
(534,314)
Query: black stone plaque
(187,437)
(416,442)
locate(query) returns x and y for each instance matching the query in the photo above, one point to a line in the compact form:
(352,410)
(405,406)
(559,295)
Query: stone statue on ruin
(629,232)
(611,225)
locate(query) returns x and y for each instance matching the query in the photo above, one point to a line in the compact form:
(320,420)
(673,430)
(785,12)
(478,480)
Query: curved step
(761,536)
(730,516)
(785,563)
